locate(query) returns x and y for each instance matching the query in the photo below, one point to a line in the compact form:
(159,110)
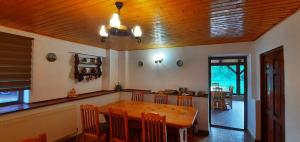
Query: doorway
(228,92)
(272,95)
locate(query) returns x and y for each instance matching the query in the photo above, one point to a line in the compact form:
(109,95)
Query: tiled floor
(216,135)
(231,118)
(224,135)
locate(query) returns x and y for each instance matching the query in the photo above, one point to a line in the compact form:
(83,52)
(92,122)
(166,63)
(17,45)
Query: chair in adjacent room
(228,99)
(184,100)
(214,85)
(137,97)
(91,127)
(40,138)
(153,128)
(218,99)
(118,125)
(187,101)
(161,98)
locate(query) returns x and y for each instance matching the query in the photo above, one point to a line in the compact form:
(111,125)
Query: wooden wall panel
(165,23)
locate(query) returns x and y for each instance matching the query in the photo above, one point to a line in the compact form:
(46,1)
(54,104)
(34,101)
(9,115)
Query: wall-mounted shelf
(88,68)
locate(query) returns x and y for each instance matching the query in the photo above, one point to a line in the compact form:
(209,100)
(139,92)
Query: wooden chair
(215,84)
(153,128)
(90,123)
(118,124)
(137,97)
(218,99)
(40,138)
(161,98)
(229,97)
(187,101)
(184,100)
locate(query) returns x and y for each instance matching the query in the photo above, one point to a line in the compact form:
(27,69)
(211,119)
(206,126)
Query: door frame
(262,93)
(245,90)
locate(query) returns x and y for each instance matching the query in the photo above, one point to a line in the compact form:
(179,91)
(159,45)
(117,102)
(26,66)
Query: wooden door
(272,95)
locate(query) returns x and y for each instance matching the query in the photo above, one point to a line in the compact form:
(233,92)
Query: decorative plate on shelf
(51,57)
(179,63)
(140,63)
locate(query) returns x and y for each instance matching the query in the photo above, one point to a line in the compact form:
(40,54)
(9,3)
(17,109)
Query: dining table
(180,117)
(224,93)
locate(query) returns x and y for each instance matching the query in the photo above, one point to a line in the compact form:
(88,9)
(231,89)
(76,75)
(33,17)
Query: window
(14,97)
(224,77)
(9,96)
(226,72)
(15,68)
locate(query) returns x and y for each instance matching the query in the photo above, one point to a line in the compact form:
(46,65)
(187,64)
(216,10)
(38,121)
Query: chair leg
(107,135)
(215,105)
(84,138)
(222,105)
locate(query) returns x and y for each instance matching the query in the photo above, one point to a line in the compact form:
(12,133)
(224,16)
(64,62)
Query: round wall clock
(51,57)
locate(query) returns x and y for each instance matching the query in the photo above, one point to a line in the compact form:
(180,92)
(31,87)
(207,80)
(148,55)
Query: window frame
(19,101)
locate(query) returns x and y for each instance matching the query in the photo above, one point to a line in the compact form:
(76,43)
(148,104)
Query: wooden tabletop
(176,116)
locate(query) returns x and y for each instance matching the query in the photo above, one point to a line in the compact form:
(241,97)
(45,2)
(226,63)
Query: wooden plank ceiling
(165,23)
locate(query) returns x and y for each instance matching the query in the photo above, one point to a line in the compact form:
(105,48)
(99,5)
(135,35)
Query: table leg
(183,134)
(107,131)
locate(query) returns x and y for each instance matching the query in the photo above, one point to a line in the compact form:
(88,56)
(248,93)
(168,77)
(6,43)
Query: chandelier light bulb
(115,21)
(115,28)
(137,32)
(103,32)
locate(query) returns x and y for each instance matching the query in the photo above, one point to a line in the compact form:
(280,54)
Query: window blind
(15,62)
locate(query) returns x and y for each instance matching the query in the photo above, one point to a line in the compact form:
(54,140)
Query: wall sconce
(159,58)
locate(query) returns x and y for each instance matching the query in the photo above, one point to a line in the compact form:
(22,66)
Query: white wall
(51,80)
(122,67)
(57,121)
(114,70)
(287,34)
(193,74)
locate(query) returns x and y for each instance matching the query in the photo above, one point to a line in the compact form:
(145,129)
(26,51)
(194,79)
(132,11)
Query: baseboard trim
(69,138)
(256,140)
(72,137)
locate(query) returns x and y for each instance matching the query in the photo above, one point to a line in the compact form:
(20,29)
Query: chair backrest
(153,128)
(137,97)
(218,93)
(89,119)
(161,98)
(184,100)
(118,125)
(40,138)
(215,84)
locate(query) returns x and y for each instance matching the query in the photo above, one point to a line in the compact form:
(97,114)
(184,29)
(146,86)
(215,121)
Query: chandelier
(115,27)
